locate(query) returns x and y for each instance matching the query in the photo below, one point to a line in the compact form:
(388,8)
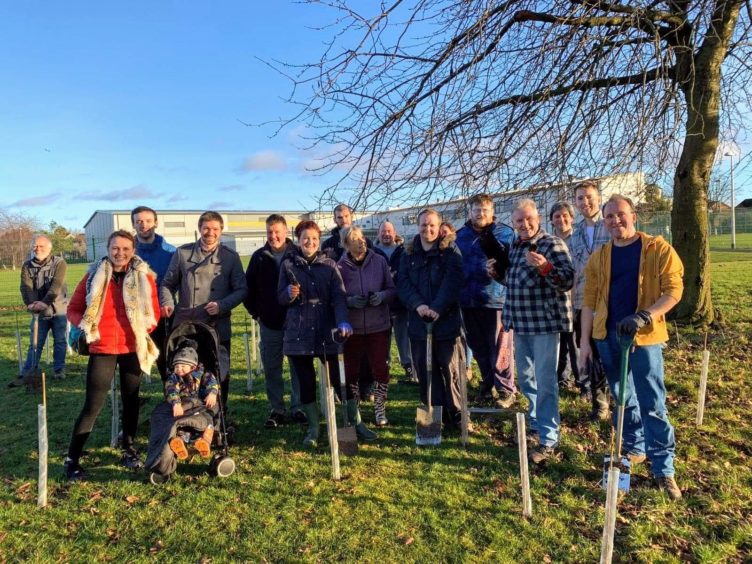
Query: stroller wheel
(222,466)
(158,479)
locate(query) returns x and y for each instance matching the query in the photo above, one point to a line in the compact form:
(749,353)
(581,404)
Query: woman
(370,290)
(115,306)
(311,288)
(562,218)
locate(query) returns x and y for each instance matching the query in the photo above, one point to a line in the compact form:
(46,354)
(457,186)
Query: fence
(719,227)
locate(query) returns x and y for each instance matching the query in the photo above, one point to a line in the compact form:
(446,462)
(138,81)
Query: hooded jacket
(363,279)
(157,255)
(433,278)
(319,308)
(480,290)
(261,277)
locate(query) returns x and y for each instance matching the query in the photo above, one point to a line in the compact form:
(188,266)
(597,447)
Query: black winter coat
(434,278)
(320,307)
(262,277)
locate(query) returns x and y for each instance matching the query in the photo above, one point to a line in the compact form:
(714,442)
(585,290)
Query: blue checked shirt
(538,304)
(581,250)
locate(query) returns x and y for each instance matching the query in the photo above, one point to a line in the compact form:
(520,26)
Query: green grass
(723,242)
(397,502)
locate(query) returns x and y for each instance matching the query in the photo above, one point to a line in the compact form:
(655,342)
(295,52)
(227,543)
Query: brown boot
(203,443)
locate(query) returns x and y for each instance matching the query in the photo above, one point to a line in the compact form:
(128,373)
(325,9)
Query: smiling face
(481,215)
(276,236)
(526,222)
(211,231)
(562,221)
(309,242)
(144,223)
(41,247)
(120,252)
(386,234)
(588,201)
(182,369)
(620,220)
(429,228)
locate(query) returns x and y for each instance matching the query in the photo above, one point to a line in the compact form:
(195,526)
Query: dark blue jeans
(58,324)
(491,348)
(646,425)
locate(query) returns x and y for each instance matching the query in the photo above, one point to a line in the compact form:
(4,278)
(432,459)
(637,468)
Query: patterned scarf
(138,306)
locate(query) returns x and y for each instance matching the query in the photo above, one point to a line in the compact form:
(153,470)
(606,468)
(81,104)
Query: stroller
(161,462)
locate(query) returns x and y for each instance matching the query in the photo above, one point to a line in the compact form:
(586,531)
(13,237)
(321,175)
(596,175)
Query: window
(169,224)
(410,219)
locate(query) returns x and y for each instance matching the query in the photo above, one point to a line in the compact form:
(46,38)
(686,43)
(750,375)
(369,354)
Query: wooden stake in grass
(703,382)
(42,435)
(331,424)
(527,502)
(248,371)
(19,351)
(607,543)
(115,431)
(464,415)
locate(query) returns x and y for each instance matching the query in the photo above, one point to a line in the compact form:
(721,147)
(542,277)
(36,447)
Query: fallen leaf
(131,499)
(156,547)
(408,541)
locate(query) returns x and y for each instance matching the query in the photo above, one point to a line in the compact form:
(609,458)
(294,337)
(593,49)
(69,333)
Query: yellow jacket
(661,272)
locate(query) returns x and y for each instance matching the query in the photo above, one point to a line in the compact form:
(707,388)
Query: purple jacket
(372,275)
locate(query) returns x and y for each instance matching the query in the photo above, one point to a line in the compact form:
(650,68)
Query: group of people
(557,306)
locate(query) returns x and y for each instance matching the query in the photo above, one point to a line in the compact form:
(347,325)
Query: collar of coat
(443,244)
(138,305)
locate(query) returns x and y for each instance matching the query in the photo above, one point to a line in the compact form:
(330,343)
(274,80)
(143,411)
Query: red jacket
(116,335)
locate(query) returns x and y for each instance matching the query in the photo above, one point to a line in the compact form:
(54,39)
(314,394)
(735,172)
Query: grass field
(397,502)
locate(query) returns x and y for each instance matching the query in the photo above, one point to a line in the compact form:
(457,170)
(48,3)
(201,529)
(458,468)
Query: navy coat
(320,307)
(434,278)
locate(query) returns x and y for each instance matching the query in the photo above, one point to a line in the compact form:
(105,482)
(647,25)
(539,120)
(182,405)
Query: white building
(405,220)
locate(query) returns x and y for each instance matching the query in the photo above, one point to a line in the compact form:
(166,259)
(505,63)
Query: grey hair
(526,203)
(41,236)
(348,232)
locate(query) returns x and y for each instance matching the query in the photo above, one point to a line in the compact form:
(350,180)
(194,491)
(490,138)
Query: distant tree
(16,231)
(653,202)
(441,98)
(63,242)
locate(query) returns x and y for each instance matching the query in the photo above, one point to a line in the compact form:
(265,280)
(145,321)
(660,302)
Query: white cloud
(133,193)
(265,160)
(36,201)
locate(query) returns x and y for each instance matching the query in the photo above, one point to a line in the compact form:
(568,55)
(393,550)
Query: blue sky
(108,106)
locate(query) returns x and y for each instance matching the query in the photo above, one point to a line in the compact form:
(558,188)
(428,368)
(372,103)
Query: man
(343,218)
(388,245)
(538,308)
(44,292)
(482,300)
(630,285)
(429,283)
(157,253)
(261,302)
(588,236)
(209,280)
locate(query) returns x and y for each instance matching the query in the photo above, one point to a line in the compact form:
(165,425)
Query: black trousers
(445,386)
(305,368)
(99,374)
(595,379)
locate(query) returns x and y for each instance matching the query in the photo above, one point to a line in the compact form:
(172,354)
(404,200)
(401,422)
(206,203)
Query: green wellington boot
(311,411)
(353,414)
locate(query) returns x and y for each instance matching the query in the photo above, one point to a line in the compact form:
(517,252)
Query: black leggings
(99,374)
(304,368)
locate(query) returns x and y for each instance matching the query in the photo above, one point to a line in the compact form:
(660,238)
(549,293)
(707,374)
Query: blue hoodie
(157,255)
(480,290)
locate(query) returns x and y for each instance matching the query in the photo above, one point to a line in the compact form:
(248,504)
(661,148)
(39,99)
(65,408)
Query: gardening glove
(345,329)
(293,291)
(376,298)
(357,302)
(629,326)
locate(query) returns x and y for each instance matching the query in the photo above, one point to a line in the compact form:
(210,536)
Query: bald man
(44,292)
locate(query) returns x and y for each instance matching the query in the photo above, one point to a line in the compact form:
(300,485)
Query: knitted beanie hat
(186,353)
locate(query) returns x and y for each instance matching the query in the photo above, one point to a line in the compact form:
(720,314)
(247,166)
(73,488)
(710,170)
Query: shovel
(347,438)
(622,463)
(33,376)
(428,418)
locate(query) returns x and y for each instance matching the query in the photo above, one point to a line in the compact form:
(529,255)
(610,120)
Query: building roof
(199,212)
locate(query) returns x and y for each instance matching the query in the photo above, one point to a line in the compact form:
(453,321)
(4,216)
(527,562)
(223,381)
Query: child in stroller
(187,382)
(191,412)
